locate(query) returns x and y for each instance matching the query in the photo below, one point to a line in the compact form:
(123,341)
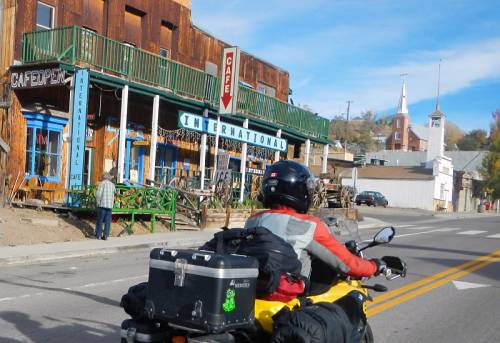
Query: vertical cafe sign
(78,127)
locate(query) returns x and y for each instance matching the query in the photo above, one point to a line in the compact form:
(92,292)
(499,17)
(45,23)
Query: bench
(147,200)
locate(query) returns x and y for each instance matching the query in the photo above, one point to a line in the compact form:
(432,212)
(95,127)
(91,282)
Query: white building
(428,187)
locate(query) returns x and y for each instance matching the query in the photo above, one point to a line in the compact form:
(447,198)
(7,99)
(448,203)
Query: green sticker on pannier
(229,304)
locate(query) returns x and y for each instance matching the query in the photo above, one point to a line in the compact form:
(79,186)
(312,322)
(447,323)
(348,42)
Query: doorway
(88,166)
(134,162)
(165,164)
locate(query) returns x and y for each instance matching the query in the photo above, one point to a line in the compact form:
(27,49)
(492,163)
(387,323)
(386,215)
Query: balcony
(76,45)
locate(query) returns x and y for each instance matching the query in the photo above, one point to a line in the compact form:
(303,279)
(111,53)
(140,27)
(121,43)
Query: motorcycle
(351,293)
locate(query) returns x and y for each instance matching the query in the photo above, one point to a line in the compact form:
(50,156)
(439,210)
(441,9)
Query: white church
(428,187)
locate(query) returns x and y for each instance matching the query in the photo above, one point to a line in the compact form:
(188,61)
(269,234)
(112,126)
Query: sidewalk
(38,253)
(24,254)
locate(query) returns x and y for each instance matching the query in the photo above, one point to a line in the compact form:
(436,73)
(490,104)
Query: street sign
(223,160)
(229,81)
(201,124)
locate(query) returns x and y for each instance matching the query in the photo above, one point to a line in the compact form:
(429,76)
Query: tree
(491,163)
(474,140)
(452,135)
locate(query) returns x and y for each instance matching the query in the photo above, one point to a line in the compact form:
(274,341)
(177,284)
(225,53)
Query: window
(128,57)
(265,89)
(44,147)
(210,80)
(436,122)
(261,88)
(398,124)
(164,53)
(133,26)
(397,135)
(88,44)
(44,16)
(296,150)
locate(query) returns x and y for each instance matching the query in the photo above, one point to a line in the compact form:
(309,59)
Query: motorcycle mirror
(385,235)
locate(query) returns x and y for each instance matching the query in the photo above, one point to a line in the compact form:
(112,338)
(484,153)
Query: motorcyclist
(286,191)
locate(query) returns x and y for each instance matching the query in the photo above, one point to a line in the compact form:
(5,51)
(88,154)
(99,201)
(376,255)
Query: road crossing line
(494,236)
(403,226)
(471,232)
(431,283)
(424,232)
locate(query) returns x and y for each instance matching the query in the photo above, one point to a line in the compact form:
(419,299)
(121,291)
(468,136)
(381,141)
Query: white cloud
(379,88)
(238,22)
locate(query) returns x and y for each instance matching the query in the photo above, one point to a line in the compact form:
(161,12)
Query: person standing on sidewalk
(105,197)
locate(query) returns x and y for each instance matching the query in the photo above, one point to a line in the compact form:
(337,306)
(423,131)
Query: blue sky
(339,50)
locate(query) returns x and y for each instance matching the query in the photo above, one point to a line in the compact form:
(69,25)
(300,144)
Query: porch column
(216,149)
(123,134)
(277,153)
(307,152)
(154,138)
(203,152)
(243,165)
(324,167)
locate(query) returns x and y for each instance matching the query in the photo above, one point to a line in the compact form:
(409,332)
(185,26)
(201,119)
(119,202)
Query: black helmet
(287,183)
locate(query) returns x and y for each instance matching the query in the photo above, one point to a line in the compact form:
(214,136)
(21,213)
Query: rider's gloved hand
(381,266)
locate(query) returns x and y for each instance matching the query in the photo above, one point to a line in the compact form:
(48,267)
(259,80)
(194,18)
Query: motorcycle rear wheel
(368,336)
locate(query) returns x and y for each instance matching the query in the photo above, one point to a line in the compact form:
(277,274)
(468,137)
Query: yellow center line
(391,303)
(432,278)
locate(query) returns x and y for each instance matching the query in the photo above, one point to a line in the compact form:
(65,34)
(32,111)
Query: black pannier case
(201,290)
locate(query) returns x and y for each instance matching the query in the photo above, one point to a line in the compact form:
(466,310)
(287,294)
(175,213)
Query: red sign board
(229,84)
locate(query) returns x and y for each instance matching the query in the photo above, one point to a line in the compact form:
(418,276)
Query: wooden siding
(189,45)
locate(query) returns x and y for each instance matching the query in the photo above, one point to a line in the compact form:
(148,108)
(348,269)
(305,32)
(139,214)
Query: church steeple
(403,103)
(438,88)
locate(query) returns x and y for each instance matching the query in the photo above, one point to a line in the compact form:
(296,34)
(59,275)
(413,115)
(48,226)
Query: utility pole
(349,102)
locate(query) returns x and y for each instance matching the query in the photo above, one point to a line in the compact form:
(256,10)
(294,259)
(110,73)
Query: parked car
(371,198)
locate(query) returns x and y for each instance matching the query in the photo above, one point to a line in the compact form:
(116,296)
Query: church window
(398,124)
(397,135)
(436,122)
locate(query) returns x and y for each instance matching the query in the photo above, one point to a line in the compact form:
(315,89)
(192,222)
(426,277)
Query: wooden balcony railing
(75,44)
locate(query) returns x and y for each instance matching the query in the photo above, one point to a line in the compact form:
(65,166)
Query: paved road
(77,300)
(439,302)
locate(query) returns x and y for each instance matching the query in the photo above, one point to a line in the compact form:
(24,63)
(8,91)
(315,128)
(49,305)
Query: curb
(31,259)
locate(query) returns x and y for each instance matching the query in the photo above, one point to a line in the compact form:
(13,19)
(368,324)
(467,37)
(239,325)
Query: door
(134,162)
(166,159)
(88,166)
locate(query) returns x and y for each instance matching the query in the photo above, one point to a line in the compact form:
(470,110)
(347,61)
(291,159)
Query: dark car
(371,199)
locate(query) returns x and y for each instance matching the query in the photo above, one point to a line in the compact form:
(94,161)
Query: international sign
(78,125)
(229,81)
(36,78)
(209,126)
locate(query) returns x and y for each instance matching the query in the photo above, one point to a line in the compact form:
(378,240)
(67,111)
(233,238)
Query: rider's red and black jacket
(309,235)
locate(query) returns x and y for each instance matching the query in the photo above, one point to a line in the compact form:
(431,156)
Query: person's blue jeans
(103,216)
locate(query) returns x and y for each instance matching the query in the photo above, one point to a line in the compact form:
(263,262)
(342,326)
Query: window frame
(397,136)
(36,122)
(167,55)
(42,27)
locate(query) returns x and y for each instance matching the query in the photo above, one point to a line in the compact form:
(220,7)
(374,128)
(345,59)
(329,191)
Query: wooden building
(99,85)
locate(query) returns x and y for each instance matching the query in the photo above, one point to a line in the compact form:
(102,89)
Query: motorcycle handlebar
(391,274)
